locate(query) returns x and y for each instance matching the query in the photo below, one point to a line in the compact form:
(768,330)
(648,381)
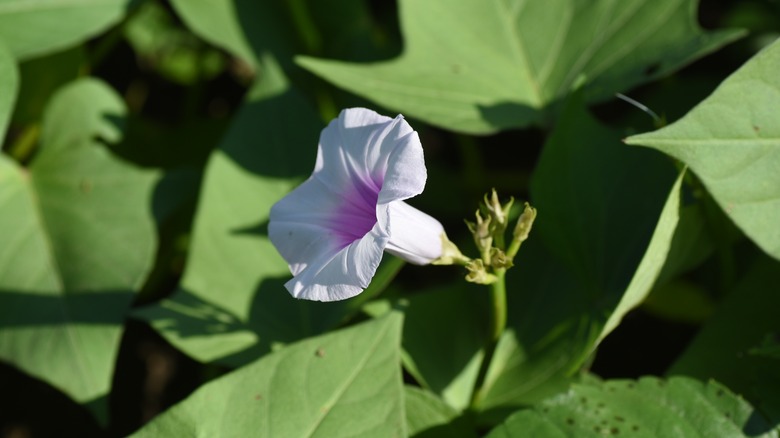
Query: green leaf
(9,85)
(680,300)
(34,28)
(652,262)
(731,141)
(428,416)
(480,67)
(694,240)
(245,28)
(444,353)
(742,321)
(345,383)
(250,29)
(76,241)
(41,78)
(606,216)
(648,407)
(607,212)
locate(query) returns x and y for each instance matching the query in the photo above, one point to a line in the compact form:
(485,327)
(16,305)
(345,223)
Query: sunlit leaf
(482,66)
(249,29)
(33,28)
(346,383)
(76,241)
(649,407)
(732,142)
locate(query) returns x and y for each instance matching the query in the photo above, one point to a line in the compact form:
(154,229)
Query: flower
(333,229)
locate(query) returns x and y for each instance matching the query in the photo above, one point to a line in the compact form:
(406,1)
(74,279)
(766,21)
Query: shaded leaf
(41,78)
(345,383)
(606,216)
(250,29)
(9,84)
(731,141)
(480,67)
(653,260)
(648,407)
(428,416)
(680,300)
(171,51)
(742,321)
(77,239)
(444,353)
(34,28)
(245,28)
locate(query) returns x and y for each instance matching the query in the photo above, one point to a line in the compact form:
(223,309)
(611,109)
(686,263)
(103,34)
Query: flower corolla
(333,229)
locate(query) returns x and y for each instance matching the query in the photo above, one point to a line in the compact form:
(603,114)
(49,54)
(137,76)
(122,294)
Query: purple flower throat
(356,215)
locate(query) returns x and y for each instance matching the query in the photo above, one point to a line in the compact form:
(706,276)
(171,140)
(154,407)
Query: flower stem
(497,325)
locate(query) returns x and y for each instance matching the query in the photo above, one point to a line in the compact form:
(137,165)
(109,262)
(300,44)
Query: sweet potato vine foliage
(227,218)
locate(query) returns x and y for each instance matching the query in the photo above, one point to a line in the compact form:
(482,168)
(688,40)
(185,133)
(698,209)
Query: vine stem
(497,325)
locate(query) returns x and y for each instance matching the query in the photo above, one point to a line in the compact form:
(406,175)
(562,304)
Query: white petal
(333,229)
(343,275)
(414,236)
(299,225)
(361,145)
(405,175)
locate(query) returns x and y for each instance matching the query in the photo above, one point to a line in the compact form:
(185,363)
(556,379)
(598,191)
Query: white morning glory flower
(333,228)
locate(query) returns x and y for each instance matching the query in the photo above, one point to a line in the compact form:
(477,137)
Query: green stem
(497,325)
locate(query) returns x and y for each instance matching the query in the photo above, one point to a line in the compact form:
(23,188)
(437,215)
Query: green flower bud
(478,273)
(522,229)
(499,259)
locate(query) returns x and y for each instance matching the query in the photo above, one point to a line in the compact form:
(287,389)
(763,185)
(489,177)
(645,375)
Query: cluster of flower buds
(489,230)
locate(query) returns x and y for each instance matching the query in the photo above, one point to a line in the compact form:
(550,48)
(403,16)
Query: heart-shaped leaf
(482,66)
(345,383)
(76,241)
(731,141)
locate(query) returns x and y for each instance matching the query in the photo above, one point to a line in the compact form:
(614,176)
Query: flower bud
(478,273)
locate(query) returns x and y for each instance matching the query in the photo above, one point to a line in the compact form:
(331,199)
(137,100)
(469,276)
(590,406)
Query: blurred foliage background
(183,89)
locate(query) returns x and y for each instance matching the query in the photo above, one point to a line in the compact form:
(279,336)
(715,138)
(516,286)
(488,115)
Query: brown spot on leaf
(85,186)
